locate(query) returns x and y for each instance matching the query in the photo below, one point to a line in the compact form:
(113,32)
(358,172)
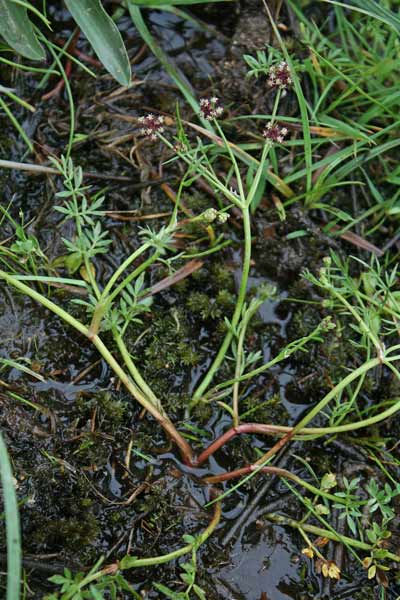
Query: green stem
(16,124)
(130,562)
(255,183)
(142,267)
(309,542)
(238,368)
(319,531)
(208,176)
(309,433)
(288,351)
(285,475)
(370,364)
(19,285)
(236,315)
(367,366)
(117,274)
(164,421)
(249,313)
(138,379)
(363,325)
(107,298)
(234,163)
(13,533)
(91,278)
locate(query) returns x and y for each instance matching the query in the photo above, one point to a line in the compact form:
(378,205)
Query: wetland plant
(113,307)
(364,307)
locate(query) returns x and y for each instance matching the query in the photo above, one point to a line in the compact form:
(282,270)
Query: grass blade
(17,30)
(12,525)
(56,53)
(372,9)
(103,35)
(158,3)
(16,123)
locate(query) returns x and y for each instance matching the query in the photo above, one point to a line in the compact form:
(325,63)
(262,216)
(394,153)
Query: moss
(200,304)
(197,202)
(202,412)
(167,343)
(76,534)
(269,410)
(221,277)
(226,300)
(111,411)
(221,329)
(187,354)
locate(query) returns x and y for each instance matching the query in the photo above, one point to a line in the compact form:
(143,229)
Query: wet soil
(69,435)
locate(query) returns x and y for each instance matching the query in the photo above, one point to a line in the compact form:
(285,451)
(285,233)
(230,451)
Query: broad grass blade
(17,30)
(103,35)
(12,525)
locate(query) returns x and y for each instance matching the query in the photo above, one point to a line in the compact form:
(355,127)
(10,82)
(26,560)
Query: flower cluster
(328,568)
(210,108)
(211,214)
(274,133)
(151,125)
(280,76)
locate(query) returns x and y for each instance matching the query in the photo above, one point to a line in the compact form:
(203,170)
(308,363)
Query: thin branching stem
(163,420)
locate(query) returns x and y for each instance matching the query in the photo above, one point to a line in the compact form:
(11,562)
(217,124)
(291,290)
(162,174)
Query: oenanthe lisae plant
(117,304)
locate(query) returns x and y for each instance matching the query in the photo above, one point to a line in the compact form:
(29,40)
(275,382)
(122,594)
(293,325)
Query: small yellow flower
(367,562)
(308,552)
(372,572)
(330,569)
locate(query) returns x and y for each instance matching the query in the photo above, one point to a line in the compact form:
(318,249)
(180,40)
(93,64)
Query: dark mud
(69,441)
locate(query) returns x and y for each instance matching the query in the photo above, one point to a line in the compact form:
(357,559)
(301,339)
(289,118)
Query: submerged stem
(280,473)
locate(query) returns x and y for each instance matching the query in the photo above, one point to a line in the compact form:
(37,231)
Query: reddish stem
(79,54)
(68,69)
(86,58)
(60,85)
(257,428)
(278,446)
(139,55)
(247,470)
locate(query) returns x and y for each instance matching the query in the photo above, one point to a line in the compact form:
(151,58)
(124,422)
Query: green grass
(12,525)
